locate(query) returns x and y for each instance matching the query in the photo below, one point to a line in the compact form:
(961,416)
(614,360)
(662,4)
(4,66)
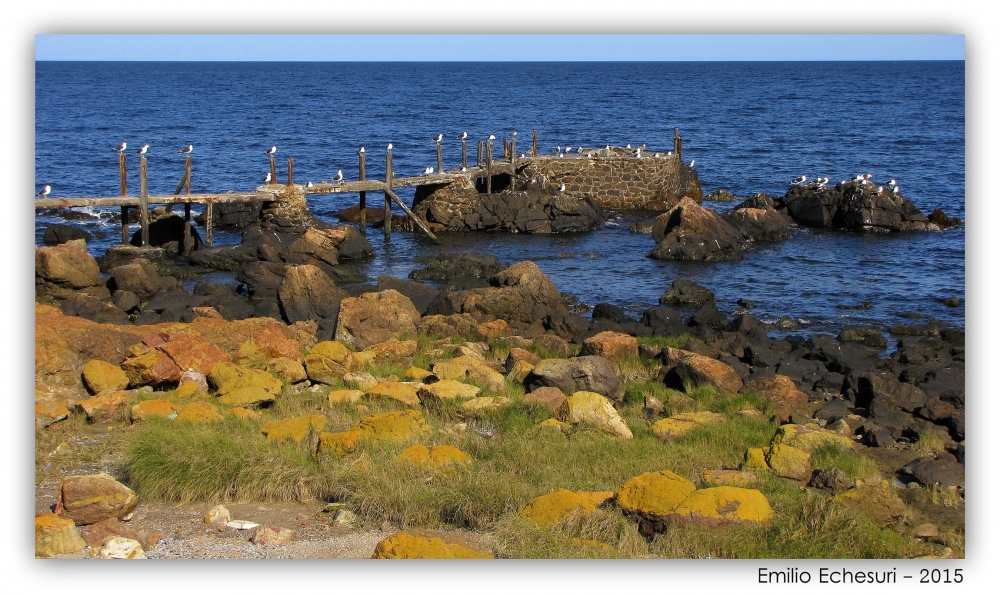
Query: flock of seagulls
(860,179)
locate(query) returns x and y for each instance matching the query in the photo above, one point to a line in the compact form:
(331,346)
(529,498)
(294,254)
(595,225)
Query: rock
(880,392)
(754,458)
(328,361)
(100,375)
(121,548)
(307,293)
(198,412)
(725,504)
(454,325)
(63,269)
(162,408)
(47,414)
(693,370)
(401,392)
(939,218)
(404,545)
(194,354)
(549,397)
(96,533)
(239,385)
(686,293)
(611,345)
(782,392)
(105,407)
(394,426)
(877,501)
(88,499)
(55,535)
(218,517)
(831,478)
(594,409)
(60,233)
(560,504)
(294,429)
(443,457)
(151,368)
(167,230)
(721,195)
(759,225)
(445,390)
(286,370)
(271,535)
(591,373)
(351,396)
(866,335)
(484,404)
(728,477)
(141,277)
(810,437)
(677,426)
(458,267)
(375,317)
(689,231)
(466,367)
(790,462)
(941,470)
(421,294)
(855,207)
(652,497)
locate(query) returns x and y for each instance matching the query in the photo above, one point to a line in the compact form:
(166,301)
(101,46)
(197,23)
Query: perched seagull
(670,153)
(628,146)
(568,149)
(558,150)
(463,168)
(438,138)
(638,153)
(880,190)
(45,191)
(892,182)
(271,151)
(895,189)
(463,136)
(800,180)
(868,176)
(492,137)
(656,155)
(121,148)
(143,150)
(186,150)
(309,184)
(514,133)
(361,150)
(267,178)
(428,171)
(339,176)
(562,188)
(692,163)
(389,148)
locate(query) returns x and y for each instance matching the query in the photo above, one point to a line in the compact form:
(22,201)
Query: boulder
(445,390)
(594,409)
(810,437)
(725,504)
(759,225)
(271,535)
(141,277)
(728,477)
(693,370)
(49,413)
(375,317)
(60,233)
(689,231)
(877,501)
(560,504)
(652,497)
(853,206)
(168,231)
(107,406)
(549,397)
(686,293)
(100,375)
(467,367)
(588,373)
(117,547)
(87,499)
(307,293)
(400,392)
(67,266)
(782,392)
(421,294)
(55,535)
(941,470)
(677,426)
(789,462)
(404,545)
(294,429)
(460,270)
(443,457)
(611,345)
(162,408)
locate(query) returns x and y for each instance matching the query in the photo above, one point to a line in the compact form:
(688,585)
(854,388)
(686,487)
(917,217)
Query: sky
(498,47)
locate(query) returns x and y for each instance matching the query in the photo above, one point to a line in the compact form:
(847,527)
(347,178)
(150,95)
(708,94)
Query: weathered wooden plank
(390,194)
(159,199)
(387,190)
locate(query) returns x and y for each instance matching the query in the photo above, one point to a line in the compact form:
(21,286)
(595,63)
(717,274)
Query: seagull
(309,184)
(121,148)
(463,168)
(638,153)
(492,137)
(868,176)
(45,191)
(558,150)
(143,150)
(692,163)
(389,148)
(428,171)
(628,146)
(562,188)
(339,176)
(438,138)
(880,190)
(463,136)
(892,182)
(895,189)
(514,133)
(568,149)
(670,153)
(267,178)
(186,150)
(361,150)
(800,180)
(271,151)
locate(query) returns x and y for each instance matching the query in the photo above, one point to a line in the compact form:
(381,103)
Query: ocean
(750,126)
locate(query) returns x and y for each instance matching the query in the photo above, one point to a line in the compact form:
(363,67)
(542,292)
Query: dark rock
(420,294)
(708,315)
(262,279)
(307,293)
(877,389)
(759,225)
(95,309)
(691,232)
(830,478)
(952,302)
(603,311)
(141,278)
(853,206)
(759,201)
(225,258)
(458,267)
(753,329)
(721,195)
(590,373)
(745,303)
(232,215)
(167,229)
(938,217)
(786,323)
(867,335)
(663,321)
(833,410)
(943,470)
(877,436)
(686,293)
(60,233)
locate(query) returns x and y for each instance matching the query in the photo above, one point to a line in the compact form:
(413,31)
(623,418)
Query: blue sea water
(750,126)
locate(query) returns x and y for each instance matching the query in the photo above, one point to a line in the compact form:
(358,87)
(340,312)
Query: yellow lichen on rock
(551,508)
(242,385)
(339,443)
(755,458)
(55,535)
(395,391)
(198,412)
(403,545)
(346,395)
(99,375)
(656,493)
(154,408)
(593,408)
(809,437)
(294,429)
(441,457)
(674,427)
(328,361)
(448,390)
(724,504)
(790,462)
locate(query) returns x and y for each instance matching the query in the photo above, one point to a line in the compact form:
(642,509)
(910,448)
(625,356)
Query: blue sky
(486,47)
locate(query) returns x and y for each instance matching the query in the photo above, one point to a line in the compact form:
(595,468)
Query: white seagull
(562,188)
(492,137)
(428,171)
(438,138)
(670,153)
(186,150)
(692,163)
(514,133)
(389,147)
(892,182)
(121,148)
(309,184)
(267,178)
(44,191)
(339,176)
(568,149)
(271,151)
(800,180)
(895,189)
(463,136)
(143,150)
(463,168)
(361,150)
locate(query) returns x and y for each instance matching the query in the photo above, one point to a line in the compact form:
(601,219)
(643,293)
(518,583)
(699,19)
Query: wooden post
(513,159)
(465,163)
(677,142)
(187,229)
(489,167)
(187,173)
(534,143)
(274,170)
(144,202)
(291,165)
(440,162)
(125,237)
(479,154)
(363,200)
(208,222)
(122,174)
(387,221)
(389,193)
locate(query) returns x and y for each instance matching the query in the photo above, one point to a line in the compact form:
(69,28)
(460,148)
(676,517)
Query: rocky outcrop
(64,270)
(591,373)
(689,231)
(853,206)
(374,318)
(759,225)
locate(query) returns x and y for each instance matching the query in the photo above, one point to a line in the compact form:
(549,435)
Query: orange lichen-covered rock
(445,390)
(593,408)
(55,535)
(403,545)
(441,457)
(151,368)
(228,377)
(467,367)
(339,443)
(550,508)
(194,353)
(728,477)
(790,462)
(198,412)
(49,413)
(782,392)
(153,408)
(809,437)
(393,426)
(712,506)
(328,361)
(613,345)
(294,428)
(879,501)
(346,395)
(90,498)
(286,370)
(395,391)
(697,370)
(107,406)
(99,376)
(674,427)
(755,458)
(654,494)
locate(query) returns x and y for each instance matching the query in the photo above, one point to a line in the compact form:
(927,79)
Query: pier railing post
(124,192)
(387,221)
(143,203)
(187,173)
(479,154)
(274,170)
(489,167)
(208,223)
(465,163)
(187,245)
(677,142)
(440,162)
(534,143)
(363,198)
(513,159)
(291,166)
